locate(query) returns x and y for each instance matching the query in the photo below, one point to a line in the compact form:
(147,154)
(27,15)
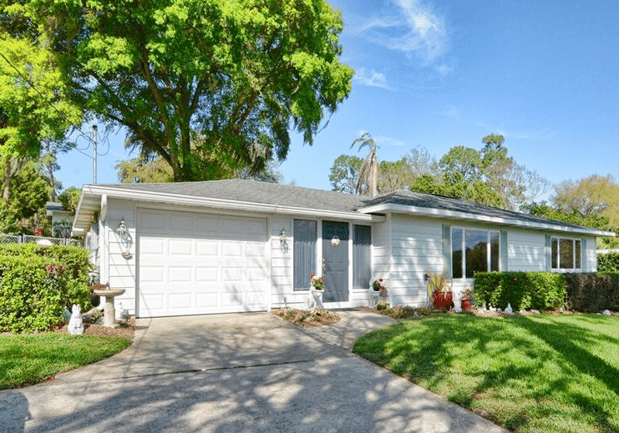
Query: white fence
(24,239)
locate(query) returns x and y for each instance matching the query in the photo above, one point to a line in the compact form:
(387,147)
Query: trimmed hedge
(523,290)
(37,284)
(592,292)
(608,262)
(587,293)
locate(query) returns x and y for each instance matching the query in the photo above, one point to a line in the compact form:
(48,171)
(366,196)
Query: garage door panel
(208,248)
(151,245)
(151,274)
(211,265)
(233,249)
(180,274)
(180,247)
(233,274)
(207,274)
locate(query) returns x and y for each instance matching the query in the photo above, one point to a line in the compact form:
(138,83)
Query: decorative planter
(442,299)
(374,295)
(315,299)
(467,305)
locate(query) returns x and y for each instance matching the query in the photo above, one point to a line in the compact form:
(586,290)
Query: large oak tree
(198,82)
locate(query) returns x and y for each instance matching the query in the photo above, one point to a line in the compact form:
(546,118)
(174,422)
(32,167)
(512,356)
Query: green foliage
(199,83)
(33,97)
(523,290)
(380,306)
(344,171)
(69,199)
(592,292)
(38,283)
(608,262)
(28,190)
(30,359)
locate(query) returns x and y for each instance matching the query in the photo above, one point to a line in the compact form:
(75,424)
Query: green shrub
(38,283)
(382,306)
(523,290)
(592,292)
(608,262)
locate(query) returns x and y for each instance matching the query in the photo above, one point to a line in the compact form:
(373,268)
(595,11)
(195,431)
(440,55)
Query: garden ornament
(76,323)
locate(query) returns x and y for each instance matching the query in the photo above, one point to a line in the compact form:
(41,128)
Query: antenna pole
(94,154)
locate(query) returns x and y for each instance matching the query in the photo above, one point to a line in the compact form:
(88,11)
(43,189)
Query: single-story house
(240,245)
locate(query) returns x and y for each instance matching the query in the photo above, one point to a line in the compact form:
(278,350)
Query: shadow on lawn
(426,350)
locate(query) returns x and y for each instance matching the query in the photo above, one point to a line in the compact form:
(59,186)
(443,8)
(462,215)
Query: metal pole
(94,154)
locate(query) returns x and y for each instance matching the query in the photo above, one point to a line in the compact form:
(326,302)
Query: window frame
(489,256)
(577,253)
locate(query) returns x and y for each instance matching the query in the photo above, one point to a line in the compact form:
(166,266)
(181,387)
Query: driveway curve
(236,373)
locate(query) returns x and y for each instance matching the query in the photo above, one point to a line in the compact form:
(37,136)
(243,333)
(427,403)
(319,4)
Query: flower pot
(442,299)
(467,305)
(315,299)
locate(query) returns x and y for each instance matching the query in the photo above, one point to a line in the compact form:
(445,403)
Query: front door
(335,261)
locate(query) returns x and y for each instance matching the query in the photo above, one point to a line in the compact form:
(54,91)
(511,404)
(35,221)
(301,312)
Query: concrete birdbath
(109,314)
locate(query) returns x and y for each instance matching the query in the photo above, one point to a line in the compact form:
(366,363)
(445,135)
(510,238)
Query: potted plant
(377,290)
(468,301)
(439,290)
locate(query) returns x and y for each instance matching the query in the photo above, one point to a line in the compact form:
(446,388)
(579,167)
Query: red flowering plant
(378,285)
(316,282)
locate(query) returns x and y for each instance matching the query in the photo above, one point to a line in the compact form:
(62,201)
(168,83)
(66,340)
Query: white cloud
(452,112)
(418,29)
(371,78)
(389,141)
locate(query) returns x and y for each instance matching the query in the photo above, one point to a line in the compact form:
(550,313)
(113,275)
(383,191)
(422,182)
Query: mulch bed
(125,328)
(306,318)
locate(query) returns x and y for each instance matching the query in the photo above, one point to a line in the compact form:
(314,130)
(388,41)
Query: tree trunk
(5,181)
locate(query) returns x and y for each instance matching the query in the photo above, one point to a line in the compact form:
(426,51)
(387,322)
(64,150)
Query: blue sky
(446,73)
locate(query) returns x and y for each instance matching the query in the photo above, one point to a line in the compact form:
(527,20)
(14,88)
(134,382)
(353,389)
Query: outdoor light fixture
(335,241)
(283,240)
(125,238)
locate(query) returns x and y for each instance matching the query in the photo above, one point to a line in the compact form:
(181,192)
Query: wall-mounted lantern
(283,240)
(125,238)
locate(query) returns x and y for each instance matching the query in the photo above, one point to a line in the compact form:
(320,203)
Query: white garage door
(191,263)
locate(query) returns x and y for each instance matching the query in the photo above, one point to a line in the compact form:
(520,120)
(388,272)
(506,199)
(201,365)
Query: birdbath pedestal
(109,314)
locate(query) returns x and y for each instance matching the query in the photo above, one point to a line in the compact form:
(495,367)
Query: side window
(362,256)
(304,252)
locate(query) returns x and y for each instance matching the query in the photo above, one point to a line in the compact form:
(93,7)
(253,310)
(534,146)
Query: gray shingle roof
(255,192)
(298,197)
(410,198)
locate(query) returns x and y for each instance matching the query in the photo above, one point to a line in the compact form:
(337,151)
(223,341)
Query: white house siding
(416,245)
(381,250)
(120,272)
(282,293)
(526,251)
(591,256)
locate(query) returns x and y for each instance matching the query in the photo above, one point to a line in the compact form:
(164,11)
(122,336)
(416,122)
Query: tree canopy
(486,176)
(197,82)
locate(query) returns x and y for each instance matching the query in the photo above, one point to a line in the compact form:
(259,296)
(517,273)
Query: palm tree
(367,178)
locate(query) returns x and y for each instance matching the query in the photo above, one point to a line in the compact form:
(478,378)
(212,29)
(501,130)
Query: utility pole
(94,154)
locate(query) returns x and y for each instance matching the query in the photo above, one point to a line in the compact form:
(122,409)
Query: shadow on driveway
(235,373)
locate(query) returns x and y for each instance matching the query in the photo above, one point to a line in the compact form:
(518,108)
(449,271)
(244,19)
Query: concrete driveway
(236,373)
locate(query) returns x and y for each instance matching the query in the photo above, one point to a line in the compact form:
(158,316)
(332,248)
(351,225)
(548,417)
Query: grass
(29,359)
(525,373)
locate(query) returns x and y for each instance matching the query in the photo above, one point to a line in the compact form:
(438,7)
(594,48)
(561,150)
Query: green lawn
(528,374)
(29,359)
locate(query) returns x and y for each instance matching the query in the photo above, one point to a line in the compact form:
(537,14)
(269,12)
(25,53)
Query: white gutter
(448,214)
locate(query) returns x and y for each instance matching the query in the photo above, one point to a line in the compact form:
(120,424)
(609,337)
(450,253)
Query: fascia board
(447,214)
(147,196)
